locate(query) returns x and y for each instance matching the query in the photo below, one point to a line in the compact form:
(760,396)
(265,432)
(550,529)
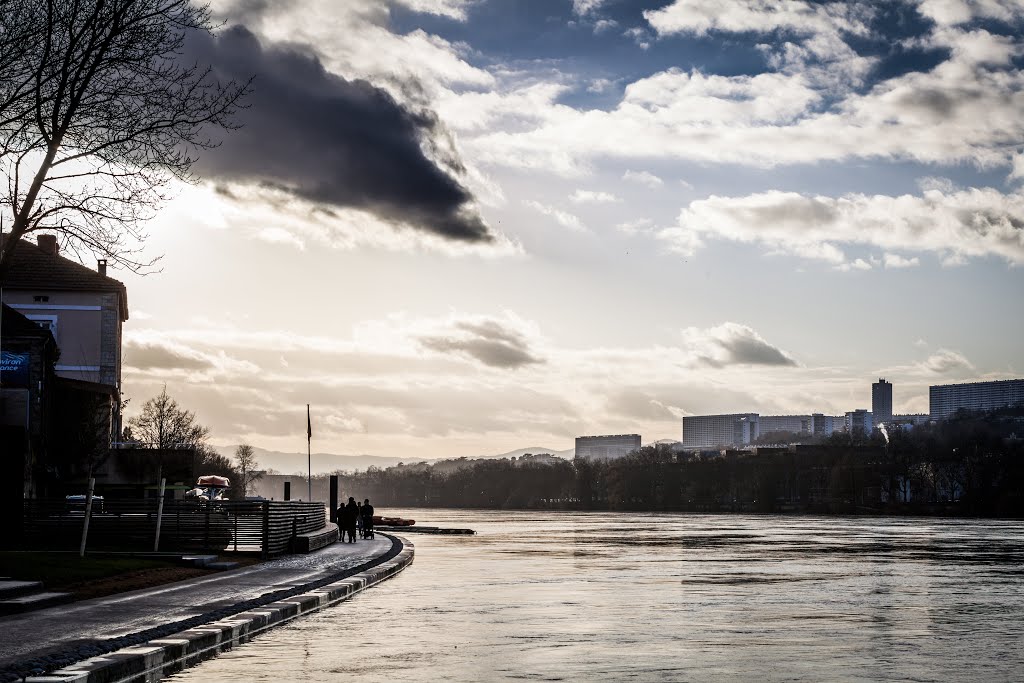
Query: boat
(392,521)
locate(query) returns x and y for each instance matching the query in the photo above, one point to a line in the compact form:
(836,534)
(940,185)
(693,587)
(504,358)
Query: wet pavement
(26,636)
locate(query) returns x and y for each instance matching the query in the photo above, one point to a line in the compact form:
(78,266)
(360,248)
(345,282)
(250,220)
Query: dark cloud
(488,341)
(734,344)
(754,351)
(334,141)
(491,352)
(144,356)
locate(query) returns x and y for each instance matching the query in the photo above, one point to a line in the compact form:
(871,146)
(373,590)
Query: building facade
(945,399)
(83,308)
(859,421)
(606,447)
(881,401)
(797,424)
(827,425)
(710,431)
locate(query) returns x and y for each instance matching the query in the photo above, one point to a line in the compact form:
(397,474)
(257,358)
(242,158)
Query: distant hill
(295,463)
(323,463)
(568,454)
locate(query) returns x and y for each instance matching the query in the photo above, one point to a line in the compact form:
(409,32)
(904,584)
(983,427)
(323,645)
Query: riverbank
(162,629)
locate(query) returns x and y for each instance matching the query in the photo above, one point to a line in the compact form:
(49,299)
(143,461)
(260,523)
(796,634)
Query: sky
(461,227)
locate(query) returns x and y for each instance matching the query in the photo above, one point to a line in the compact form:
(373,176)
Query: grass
(62,569)
(97,575)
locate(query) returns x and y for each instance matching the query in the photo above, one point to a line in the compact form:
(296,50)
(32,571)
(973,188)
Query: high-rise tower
(881,401)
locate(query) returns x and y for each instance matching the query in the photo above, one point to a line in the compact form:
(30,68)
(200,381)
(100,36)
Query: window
(48,322)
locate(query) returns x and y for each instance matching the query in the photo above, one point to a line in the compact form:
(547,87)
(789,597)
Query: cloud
(897,261)
(337,142)
(491,342)
(733,344)
(563,218)
(582,7)
(856,264)
(701,16)
(643,178)
(944,362)
(150,354)
(154,356)
(582,196)
(962,110)
(452,9)
(1017,167)
(821,54)
(953,12)
(639,404)
(634,227)
(970,223)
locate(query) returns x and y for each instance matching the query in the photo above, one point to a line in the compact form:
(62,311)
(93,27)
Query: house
(83,309)
(28,354)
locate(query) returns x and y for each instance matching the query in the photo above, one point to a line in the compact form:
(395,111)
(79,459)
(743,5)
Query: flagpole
(309,456)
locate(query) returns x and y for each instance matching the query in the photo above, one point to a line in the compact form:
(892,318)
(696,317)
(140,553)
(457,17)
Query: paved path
(30,635)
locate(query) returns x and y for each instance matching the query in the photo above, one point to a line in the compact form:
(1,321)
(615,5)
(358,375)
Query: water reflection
(670,597)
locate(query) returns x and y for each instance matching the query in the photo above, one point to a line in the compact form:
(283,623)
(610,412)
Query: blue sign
(14,369)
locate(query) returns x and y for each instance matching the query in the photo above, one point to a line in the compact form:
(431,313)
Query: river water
(648,597)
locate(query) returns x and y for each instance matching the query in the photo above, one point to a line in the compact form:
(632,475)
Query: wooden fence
(264,527)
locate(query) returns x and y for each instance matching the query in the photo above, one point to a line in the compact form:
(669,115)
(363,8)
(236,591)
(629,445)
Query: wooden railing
(264,527)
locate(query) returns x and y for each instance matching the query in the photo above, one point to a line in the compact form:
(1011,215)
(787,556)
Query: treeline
(972,465)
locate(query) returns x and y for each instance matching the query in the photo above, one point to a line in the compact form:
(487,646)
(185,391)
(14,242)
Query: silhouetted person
(359,520)
(340,516)
(367,511)
(351,514)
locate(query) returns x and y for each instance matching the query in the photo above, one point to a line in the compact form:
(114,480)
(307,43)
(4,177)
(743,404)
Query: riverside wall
(162,656)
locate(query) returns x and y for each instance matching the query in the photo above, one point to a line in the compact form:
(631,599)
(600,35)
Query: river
(647,597)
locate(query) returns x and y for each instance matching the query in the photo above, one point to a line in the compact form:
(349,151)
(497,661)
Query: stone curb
(164,656)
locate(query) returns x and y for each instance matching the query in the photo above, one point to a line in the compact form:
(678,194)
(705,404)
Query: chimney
(101,266)
(48,243)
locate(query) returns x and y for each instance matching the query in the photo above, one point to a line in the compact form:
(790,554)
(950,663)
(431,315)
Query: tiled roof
(33,269)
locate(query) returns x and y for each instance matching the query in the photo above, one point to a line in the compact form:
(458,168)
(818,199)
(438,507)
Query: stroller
(368,525)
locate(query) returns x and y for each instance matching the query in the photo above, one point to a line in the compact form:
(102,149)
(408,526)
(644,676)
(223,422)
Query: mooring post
(159,514)
(333,509)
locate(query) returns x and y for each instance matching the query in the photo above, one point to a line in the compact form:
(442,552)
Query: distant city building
(826,425)
(797,424)
(945,399)
(859,421)
(908,422)
(911,419)
(881,401)
(709,431)
(606,447)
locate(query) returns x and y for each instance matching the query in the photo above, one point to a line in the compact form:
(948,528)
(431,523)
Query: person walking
(339,515)
(359,520)
(367,511)
(351,512)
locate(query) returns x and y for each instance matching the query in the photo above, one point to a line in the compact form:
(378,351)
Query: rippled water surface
(571,596)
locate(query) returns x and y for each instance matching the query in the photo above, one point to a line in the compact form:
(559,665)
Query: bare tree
(247,465)
(99,111)
(164,424)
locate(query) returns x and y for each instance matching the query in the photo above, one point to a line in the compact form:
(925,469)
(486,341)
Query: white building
(710,431)
(606,447)
(946,399)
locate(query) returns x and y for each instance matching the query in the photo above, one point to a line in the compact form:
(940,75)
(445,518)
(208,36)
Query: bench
(314,540)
